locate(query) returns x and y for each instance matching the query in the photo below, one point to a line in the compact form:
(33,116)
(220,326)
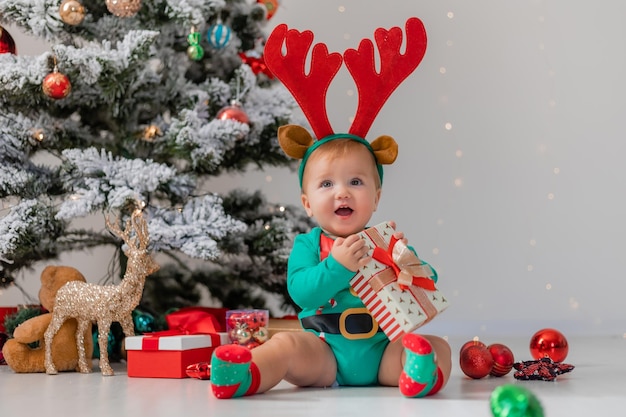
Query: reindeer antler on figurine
(374,88)
(104,304)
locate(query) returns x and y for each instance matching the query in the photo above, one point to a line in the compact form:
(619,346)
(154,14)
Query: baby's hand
(399,235)
(351,252)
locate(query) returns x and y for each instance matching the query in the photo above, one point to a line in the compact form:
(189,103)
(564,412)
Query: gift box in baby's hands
(396,286)
(152,356)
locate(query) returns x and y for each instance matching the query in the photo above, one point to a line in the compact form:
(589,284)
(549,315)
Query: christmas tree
(138,105)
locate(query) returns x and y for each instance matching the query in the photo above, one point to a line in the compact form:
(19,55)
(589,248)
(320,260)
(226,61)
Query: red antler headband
(374,88)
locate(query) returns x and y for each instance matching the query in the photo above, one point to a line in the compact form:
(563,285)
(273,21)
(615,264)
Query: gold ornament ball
(72,12)
(123,8)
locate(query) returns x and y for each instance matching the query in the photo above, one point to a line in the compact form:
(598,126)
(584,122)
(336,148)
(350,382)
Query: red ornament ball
(476,361)
(233,112)
(503,359)
(549,343)
(56,85)
(7,44)
(472,343)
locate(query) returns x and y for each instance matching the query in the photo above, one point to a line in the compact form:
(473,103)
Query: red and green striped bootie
(233,374)
(421,376)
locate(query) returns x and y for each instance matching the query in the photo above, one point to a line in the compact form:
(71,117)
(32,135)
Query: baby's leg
(420,365)
(298,357)
(443,356)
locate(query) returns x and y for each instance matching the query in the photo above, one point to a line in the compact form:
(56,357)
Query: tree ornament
(549,343)
(7,44)
(56,85)
(144,322)
(123,8)
(38,134)
(6,281)
(256,63)
(514,401)
(476,361)
(233,112)
(194,51)
(258,13)
(150,133)
(503,359)
(72,12)
(271,6)
(218,35)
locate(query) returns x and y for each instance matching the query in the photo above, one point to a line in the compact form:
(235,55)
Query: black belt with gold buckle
(353,323)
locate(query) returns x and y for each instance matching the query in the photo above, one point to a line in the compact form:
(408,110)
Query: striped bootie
(421,376)
(233,374)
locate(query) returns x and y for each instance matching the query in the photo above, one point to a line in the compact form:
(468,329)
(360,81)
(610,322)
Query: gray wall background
(510,179)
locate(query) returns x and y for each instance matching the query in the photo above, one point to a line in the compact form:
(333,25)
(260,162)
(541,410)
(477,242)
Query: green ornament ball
(195,52)
(144,322)
(511,400)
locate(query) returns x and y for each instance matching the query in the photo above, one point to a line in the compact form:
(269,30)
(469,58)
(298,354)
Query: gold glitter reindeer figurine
(104,304)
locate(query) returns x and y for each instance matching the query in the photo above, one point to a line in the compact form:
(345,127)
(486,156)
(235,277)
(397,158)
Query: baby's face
(341,193)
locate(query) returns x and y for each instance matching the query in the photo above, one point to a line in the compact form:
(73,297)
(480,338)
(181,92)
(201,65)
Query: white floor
(596,387)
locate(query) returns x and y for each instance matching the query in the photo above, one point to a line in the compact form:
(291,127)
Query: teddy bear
(23,358)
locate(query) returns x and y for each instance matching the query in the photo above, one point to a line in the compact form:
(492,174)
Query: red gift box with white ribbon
(396,286)
(192,336)
(169,356)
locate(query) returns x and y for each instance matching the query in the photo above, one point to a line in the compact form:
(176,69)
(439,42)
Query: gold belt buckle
(354,336)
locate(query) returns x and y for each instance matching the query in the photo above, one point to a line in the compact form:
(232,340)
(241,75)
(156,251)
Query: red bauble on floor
(549,343)
(503,359)
(476,361)
(472,343)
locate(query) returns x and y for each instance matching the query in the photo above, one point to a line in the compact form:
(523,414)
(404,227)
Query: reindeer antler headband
(374,88)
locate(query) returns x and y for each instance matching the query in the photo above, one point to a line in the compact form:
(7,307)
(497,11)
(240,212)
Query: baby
(341,187)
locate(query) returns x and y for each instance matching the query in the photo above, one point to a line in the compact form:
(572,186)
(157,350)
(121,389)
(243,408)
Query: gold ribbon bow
(407,266)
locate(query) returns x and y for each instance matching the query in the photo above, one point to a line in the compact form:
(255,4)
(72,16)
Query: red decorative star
(544,369)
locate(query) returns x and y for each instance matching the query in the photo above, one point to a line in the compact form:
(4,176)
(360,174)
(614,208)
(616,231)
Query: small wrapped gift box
(396,286)
(169,356)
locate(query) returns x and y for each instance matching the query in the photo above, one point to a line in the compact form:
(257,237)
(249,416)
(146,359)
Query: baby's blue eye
(326,184)
(356,181)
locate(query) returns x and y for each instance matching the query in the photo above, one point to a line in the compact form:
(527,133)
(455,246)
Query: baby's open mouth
(343,211)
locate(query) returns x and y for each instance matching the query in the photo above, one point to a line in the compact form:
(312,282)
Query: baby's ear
(386,149)
(294,140)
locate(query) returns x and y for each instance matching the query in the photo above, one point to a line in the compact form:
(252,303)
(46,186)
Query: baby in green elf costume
(341,178)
